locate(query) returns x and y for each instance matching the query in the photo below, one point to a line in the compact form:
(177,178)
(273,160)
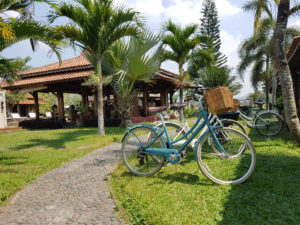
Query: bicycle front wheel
(134,156)
(268,124)
(233,166)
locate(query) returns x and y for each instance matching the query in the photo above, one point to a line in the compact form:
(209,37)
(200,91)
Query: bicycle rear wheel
(233,168)
(234,125)
(174,130)
(268,123)
(134,156)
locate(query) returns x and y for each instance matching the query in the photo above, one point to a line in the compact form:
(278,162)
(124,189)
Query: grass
(180,194)
(25,155)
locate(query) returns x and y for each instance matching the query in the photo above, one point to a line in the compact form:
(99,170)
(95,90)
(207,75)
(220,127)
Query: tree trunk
(267,82)
(100,103)
(181,74)
(281,64)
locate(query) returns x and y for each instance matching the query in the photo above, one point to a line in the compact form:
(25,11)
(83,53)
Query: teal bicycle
(224,155)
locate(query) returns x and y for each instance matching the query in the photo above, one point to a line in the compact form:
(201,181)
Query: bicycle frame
(250,121)
(190,135)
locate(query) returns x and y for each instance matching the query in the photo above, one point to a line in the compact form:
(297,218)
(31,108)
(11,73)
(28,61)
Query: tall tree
(259,8)
(96,26)
(255,53)
(210,27)
(266,7)
(281,64)
(211,77)
(179,43)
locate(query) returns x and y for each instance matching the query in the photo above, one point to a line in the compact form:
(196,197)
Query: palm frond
(28,29)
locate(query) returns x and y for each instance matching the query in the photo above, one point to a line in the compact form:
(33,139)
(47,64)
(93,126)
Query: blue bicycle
(224,155)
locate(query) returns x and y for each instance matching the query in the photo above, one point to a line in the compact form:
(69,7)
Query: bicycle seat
(178,106)
(157,109)
(258,103)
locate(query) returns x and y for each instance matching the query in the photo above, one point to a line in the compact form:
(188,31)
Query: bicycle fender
(199,139)
(128,129)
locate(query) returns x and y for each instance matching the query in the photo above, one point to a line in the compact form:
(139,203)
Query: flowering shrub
(140,119)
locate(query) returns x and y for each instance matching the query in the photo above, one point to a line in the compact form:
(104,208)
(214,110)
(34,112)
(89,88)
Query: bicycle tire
(234,125)
(274,122)
(175,128)
(135,160)
(227,170)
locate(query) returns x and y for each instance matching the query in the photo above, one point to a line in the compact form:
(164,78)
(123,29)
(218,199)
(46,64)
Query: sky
(235,26)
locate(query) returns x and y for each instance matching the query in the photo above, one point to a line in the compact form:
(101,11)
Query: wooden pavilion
(293,57)
(68,76)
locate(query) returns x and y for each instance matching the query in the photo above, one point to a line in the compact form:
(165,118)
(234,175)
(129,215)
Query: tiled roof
(68,65)
(50,79)
(68,70)
(293,48)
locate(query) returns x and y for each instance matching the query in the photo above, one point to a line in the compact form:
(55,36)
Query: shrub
(190,112)
(107,122)
(41,124)
(140,119)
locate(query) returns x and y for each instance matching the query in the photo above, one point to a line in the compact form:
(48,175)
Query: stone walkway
(75,193)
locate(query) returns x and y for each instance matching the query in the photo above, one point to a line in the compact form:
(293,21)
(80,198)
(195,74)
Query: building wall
(3,121)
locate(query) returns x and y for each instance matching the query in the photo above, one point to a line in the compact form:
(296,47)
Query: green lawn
(24,155)
(180,194)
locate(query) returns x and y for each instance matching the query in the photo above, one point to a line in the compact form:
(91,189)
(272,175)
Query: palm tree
(261,7)
(15,30)
(179,42)
(255,53)
(27,29)
(281,64)
(139,60)
(96,26)
(25,8)
(211,77)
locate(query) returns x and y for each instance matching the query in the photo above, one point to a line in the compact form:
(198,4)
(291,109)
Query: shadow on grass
(270,196)
(181,177)
(12,160)
(64,137)
(283,136)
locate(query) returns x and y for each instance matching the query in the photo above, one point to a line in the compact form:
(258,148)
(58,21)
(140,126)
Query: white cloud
(9,14)
(189,11)
(229,47)
(294,24)
(226,8)
(180,11)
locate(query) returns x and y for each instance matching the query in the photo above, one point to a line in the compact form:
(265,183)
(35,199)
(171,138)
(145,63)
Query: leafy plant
(139,60)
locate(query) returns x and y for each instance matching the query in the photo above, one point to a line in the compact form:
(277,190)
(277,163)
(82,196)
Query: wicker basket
(236,105)
(219,100)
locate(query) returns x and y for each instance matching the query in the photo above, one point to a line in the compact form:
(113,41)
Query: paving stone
(75,193)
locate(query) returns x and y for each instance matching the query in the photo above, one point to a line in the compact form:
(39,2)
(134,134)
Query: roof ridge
(27,72)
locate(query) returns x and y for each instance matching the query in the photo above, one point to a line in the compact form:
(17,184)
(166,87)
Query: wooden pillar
(167,98)
(85,97)
(145,102)
(61,110)
(36,105)
(171,97)
(96,103)
(163,97)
